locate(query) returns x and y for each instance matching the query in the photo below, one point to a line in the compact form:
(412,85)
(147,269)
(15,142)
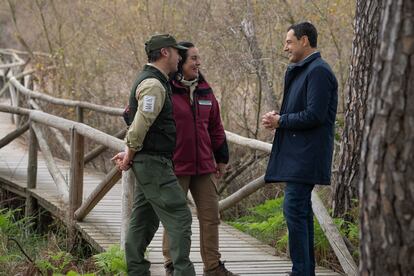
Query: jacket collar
(304,62)
(152,68)
(203,87)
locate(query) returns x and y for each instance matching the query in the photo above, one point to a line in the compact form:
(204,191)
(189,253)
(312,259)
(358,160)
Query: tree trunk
(387,159)
(363,49)
(267,100)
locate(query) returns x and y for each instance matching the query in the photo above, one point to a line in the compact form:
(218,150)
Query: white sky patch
(149,103)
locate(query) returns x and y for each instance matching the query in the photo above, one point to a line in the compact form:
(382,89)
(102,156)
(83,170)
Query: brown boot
(219,271)
(169,269)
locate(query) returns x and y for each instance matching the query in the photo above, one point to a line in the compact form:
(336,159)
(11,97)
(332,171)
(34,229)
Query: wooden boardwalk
(101,228)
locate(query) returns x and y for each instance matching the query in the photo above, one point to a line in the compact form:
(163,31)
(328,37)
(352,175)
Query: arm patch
(149,103)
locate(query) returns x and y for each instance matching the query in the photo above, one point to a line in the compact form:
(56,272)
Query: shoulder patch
(149,103)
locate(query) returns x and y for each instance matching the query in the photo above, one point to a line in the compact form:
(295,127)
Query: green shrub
(55,262)
(267,223)
(112,261)
(74,273)
(14,229)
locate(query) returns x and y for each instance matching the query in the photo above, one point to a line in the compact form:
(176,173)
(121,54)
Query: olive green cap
(162,41)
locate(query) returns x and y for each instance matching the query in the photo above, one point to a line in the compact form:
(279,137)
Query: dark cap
(162,41)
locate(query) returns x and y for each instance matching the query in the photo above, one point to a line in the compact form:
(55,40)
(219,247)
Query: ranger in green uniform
(150,143)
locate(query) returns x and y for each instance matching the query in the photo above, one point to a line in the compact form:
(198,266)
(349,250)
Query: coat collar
(152,68)
(304,62)
(202,88)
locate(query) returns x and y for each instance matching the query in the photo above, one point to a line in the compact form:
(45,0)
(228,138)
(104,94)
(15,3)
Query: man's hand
(270,120)
(123,160)
(220,170)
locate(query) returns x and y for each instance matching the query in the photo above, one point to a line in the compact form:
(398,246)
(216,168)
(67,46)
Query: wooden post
(31,174)
(76,179)
(18,117)
(76,171)
(79,114)
(128,183)
(32,166)
(13,97)
(17,103)
(27,81)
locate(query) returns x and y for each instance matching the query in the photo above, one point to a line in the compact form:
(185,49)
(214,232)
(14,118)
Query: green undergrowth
(25,251)
(267,223)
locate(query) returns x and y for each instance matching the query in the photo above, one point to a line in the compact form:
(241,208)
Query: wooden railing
(72,192)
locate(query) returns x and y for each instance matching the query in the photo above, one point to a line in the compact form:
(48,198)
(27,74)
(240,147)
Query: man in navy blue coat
(304,139)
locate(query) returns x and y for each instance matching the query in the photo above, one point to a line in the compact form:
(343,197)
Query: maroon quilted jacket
(201,141)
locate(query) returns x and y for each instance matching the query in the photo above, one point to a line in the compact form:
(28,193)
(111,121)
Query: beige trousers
(204,192)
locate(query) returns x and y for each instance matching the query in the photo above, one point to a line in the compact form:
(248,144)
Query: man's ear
(165,52)
(305,41)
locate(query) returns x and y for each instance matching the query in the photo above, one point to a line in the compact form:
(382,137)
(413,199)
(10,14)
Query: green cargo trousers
(158,197)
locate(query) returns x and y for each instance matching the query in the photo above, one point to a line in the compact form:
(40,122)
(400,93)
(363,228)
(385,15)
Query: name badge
(204,102)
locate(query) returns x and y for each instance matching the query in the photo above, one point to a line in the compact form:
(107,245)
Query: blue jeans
(297,209)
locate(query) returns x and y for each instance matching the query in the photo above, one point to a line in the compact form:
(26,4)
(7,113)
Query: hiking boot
(221,270)
(169,269)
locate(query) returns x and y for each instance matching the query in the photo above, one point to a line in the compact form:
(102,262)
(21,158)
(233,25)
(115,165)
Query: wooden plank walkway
(101,228)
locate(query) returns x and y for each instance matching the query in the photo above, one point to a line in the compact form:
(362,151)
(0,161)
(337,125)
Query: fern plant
(55,262)
(112,261)
(267,223)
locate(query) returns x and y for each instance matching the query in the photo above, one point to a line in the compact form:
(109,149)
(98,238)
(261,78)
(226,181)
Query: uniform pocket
(204,112)
(145,179)
(172,195)
(151,190)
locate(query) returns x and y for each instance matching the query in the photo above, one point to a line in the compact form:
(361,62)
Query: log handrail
(334,237)
(10,51)
(13,135)
(65,125)
(242,193)
(70,103)
(99,149)
(231,137)
(98,193)
(17,63)
(248,142)
(83,129)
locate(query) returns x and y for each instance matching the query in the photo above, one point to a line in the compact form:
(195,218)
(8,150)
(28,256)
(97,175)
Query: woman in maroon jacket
(200,156)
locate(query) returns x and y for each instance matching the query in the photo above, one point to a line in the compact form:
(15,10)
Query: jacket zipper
(194,109)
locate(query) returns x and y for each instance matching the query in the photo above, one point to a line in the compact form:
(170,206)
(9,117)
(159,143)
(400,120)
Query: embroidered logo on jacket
(204,102)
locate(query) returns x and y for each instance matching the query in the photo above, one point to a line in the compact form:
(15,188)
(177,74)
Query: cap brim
(180,47)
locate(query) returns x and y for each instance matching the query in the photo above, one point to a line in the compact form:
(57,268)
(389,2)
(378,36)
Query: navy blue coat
(303,144)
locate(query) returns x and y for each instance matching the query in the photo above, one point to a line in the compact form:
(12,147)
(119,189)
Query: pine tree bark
(387,159)
(345,189)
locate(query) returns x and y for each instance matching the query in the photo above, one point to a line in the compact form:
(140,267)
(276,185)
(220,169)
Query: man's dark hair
(154,55)
(306,28)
